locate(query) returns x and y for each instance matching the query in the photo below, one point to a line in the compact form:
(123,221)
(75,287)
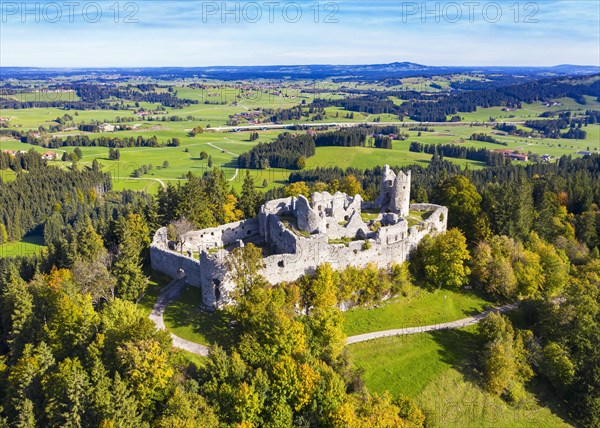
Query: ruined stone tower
(395,192)
(400,197)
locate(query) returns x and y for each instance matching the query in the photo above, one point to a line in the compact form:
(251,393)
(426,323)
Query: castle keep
(297,235)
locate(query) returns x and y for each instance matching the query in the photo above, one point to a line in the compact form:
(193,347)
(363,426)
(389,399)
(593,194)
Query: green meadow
(29,245)
(184,318)
(419,307)
(435,370)
(529,111)
(223,148)
(7,175)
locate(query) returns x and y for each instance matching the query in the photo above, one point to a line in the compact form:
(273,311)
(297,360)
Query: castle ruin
(297,235)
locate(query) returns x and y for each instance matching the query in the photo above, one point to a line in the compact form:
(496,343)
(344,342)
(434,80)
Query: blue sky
(201,33)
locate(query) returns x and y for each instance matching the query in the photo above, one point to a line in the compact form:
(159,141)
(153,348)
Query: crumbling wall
(222,236)
(278,237)
(393,234)
(436,223)
(172,263)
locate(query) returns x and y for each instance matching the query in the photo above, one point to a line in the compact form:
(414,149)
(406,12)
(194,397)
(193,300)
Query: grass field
(184,318)
(29,245)
(432,369)
(156,281)
(529,111)
(7,175)
(183,159)
(420,309)
(184,358)
(223,147)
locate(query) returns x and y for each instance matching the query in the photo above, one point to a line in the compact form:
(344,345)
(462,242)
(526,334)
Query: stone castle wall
(222,236)
(172,263)
(298,235)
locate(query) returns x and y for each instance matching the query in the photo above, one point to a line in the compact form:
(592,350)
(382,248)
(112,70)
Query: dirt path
(162,183)
(171,293)
(237,170)
(223,150)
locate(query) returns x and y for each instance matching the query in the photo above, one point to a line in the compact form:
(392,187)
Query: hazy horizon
(467,65)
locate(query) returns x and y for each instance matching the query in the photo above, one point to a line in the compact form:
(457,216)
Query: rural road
(465,322)
(223,150)
(349,125)
(171,293)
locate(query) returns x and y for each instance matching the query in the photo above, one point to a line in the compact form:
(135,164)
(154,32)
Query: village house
(106,127)
(518,157)
(514,155)
(49,155)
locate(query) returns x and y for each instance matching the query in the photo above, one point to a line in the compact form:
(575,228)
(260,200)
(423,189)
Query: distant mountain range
(366,72)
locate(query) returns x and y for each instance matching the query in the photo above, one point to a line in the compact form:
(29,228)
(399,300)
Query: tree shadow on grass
(233,163)
(458,350)
(207,327)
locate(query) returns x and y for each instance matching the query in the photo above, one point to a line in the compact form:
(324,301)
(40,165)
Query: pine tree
(127,269)
(249,198)
(133,238)
(17,312)
(3,234)
(217,190)
(67,389)
(89,243)
(124,407)
(195,205)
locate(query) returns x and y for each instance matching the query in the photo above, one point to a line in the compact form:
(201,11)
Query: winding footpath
(237,170)
(162,183)
(173,290)
(170,293)
(465,322)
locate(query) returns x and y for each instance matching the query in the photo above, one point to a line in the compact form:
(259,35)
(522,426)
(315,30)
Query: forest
(288,151)
(86,141)
(93,97)
(491,158)
(74,343)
